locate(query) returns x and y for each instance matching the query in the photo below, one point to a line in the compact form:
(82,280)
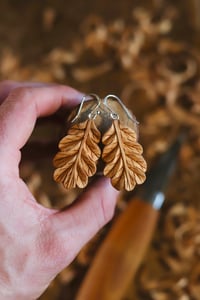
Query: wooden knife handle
(121,253)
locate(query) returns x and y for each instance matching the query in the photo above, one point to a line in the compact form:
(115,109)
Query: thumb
(79,223)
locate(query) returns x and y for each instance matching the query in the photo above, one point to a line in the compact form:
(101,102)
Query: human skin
(36,243)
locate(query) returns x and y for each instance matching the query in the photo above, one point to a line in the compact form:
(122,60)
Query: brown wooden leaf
(123,156)
(79,152)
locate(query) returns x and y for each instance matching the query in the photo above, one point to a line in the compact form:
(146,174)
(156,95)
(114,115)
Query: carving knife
(122,251)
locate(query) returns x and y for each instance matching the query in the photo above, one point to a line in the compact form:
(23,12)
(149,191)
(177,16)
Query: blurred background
(147,53)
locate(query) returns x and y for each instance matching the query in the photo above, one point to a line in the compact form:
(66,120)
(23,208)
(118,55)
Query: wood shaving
(49,17)
(85,74)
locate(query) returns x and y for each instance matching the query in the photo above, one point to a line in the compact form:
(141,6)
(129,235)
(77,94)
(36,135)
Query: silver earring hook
(81,105)
(115,115)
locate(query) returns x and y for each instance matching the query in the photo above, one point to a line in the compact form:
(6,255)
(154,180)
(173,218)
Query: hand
(37,242)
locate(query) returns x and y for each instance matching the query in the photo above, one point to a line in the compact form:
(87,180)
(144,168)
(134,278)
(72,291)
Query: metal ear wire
(91,115)
(113,114)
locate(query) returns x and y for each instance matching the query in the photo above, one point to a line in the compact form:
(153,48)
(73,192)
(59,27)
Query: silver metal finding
(92,115)
(115,115)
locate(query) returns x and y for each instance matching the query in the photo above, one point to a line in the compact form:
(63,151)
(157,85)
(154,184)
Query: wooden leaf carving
(123,156)
(79,152)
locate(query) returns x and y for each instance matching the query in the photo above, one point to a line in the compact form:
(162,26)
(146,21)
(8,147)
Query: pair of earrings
(103,131)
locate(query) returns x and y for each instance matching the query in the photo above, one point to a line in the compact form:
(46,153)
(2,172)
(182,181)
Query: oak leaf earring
(102,133)
(122,153)
(79,151)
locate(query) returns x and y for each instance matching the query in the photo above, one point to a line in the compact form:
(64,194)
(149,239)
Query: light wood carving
(78,156)
(123,157)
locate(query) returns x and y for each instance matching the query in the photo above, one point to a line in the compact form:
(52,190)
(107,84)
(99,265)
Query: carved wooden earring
(122,153)
(79,150)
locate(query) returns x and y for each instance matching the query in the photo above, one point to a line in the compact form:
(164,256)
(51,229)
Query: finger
(19,112)
(7,86)
(78,224)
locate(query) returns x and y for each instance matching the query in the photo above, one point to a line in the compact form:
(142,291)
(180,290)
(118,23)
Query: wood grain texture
(123,157)
(78,156)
